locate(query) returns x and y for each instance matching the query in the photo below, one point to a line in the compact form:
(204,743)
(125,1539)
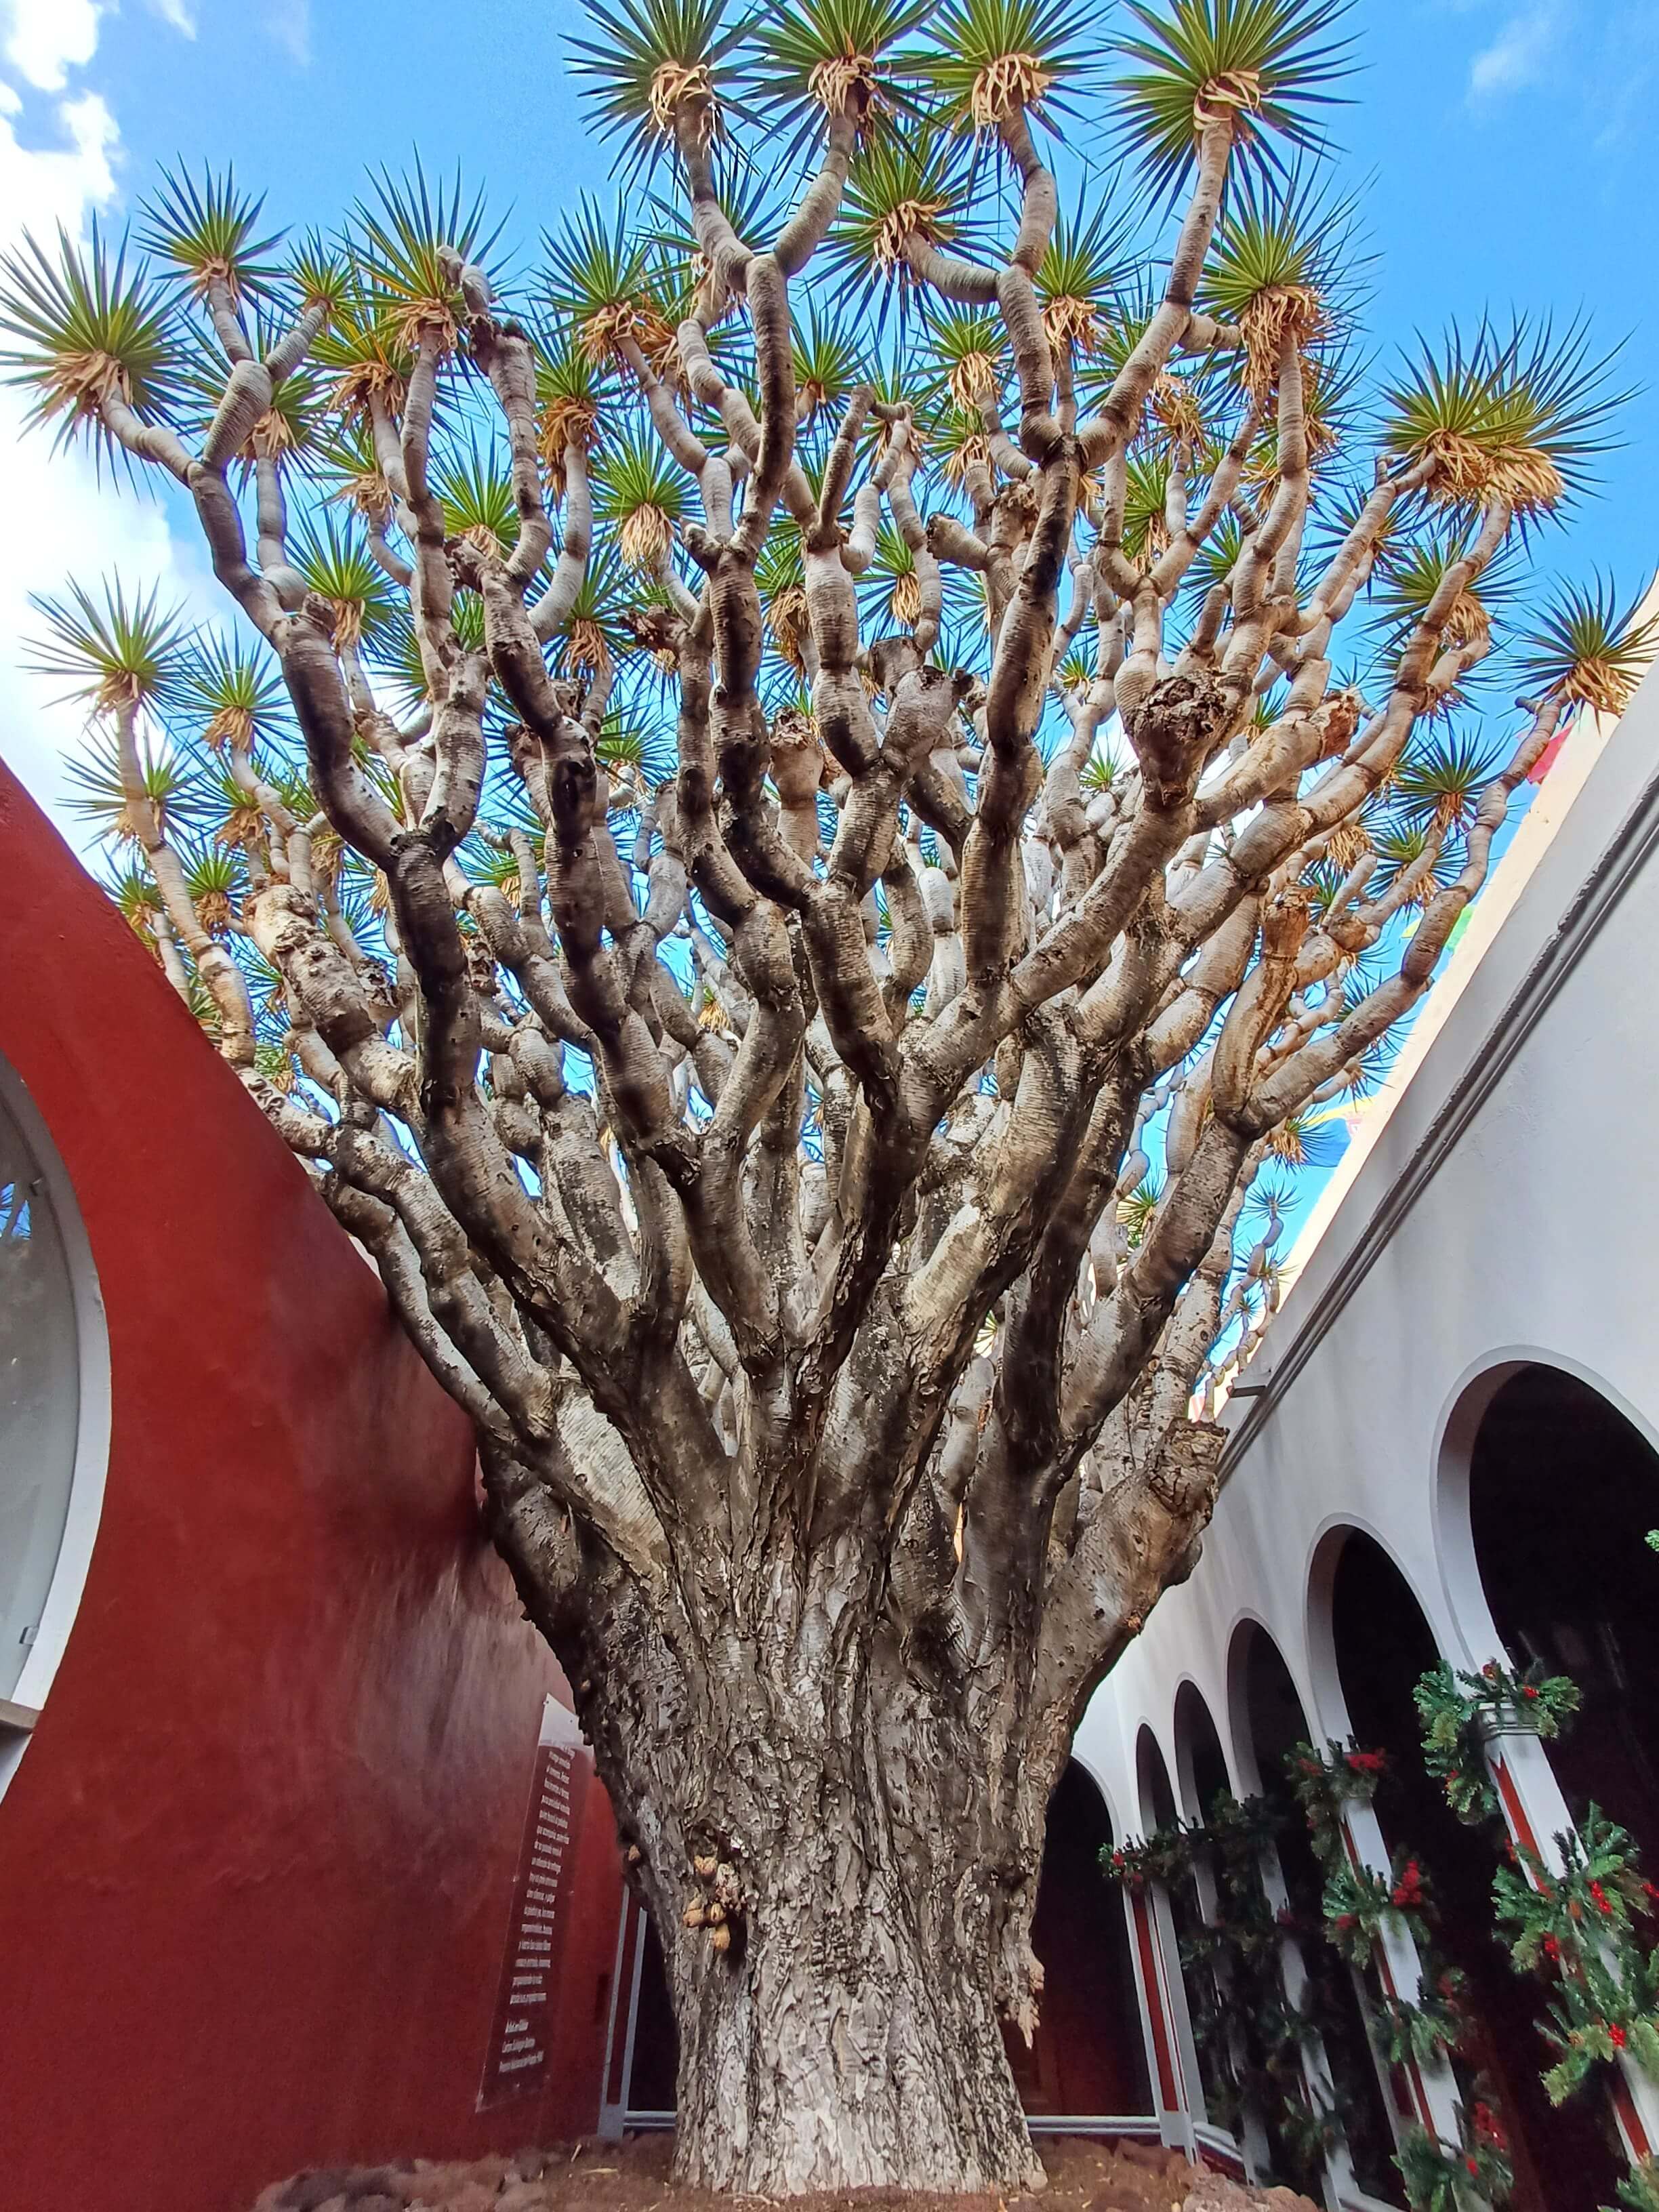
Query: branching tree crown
(814,797)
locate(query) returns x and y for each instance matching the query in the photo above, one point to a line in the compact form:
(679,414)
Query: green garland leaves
(1640,2190)
(1459,1711)
(1427,2031)
(1475,2174)
(1579,1929)
(1323,1782)
(1358,1903)
(1164,1857)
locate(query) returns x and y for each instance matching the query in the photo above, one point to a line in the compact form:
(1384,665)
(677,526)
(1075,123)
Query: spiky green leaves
(1410,572)
(651,61)
(329,552)
(810,58)
(827,360)
(988,61)
(642,497)
(903,185)
(1441,778)
(208,234)
(1085,267)
(408,238)
(1281,269)
(109,651)
(1590,646)
(1519,417)
(475,491)
(85,328)
(1264,66)
(230,695)
(971,353)
(599,284)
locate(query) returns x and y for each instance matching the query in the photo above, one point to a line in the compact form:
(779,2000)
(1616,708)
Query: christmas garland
(1578,1929)
(1467,2178)
(1323,1782)
(1248,2032)
(1460,1711)
(1429,2029)
(1359,1903)
(1163,1857)
(1640,2190)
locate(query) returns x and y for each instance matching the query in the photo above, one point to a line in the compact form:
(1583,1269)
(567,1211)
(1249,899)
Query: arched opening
(1200,1760)
(1269,1722)
(1088,2056)
(1563,1490)
(1564,2156)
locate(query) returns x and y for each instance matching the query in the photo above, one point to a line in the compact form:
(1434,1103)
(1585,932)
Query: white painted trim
(87,1480)
(1332,1255)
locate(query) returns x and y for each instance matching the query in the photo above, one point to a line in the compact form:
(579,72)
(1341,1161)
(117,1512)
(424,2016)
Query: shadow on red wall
(256,1867)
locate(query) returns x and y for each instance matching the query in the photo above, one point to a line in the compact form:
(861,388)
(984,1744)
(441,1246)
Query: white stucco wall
(1505,1208)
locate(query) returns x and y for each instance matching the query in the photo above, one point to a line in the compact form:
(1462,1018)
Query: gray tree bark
(834,1416)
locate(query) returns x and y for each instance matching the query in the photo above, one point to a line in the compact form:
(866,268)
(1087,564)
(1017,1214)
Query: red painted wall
(256,1866)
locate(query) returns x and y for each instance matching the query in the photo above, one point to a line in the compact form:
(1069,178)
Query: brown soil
(633,2177)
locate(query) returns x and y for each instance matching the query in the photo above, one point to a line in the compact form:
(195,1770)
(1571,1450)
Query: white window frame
(20,1712)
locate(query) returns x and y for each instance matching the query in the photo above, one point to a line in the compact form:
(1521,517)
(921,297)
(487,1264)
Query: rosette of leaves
(1518,416)
(1580,1929)
(650,59)
(1458,1710)
(1323,1782)
(1589,645)
(1464,2176)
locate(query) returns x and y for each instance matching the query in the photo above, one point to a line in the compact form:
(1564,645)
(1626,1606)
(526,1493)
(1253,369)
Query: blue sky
(1504,150)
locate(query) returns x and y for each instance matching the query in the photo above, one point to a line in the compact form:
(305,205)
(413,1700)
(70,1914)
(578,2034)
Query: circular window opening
(39,1394)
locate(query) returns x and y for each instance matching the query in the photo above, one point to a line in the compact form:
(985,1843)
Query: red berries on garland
(1600,1900)
(1408,1892)
(1616,2036)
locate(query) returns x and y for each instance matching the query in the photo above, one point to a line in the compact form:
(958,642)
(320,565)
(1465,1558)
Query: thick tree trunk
(843,1893)
(834,2048)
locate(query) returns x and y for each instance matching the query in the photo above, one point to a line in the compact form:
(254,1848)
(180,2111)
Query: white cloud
(288,22)
(178,13)
(45,39)
(70,524)
(1517,56)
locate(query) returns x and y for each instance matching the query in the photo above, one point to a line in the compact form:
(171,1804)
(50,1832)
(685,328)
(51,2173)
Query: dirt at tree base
(1084,2176)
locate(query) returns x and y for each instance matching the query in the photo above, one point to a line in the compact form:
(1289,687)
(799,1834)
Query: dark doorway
(1564,2158)
(1562,1493)
(656,2040)
(1276,1722)
(1198,1752)
(1088,2058)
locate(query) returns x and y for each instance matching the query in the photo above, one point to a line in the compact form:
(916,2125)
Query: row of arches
(1559,1489)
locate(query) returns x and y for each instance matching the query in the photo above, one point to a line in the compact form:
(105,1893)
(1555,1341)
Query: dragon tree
(810,798)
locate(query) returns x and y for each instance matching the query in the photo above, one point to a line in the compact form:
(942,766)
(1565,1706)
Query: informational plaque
(521,2033)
